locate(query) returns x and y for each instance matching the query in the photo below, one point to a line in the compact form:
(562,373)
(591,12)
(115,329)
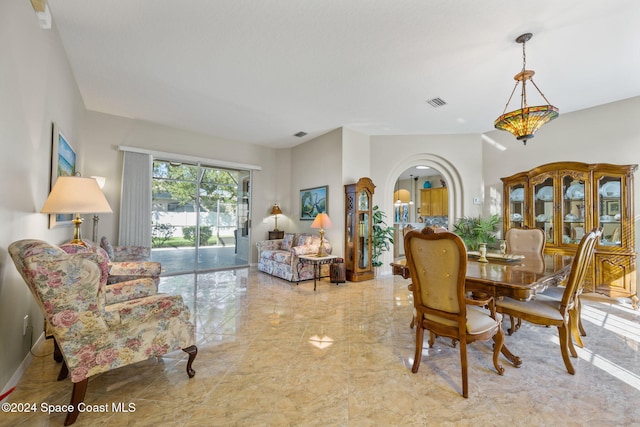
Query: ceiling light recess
(524,122)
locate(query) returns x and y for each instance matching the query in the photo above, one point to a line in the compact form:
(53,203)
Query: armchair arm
(131,253)
(268,245)
(130,290)
(154,307)
(124,271)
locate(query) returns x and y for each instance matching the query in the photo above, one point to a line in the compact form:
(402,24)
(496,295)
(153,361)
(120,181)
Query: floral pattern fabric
(94,336)
(284,263)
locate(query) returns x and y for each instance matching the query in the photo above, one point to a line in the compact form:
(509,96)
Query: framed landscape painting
(63,163)
(313,201)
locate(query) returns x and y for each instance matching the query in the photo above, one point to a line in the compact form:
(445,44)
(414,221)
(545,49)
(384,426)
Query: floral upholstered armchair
(93,335)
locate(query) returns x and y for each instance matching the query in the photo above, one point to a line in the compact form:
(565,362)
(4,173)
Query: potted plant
(477,230)
(382,238)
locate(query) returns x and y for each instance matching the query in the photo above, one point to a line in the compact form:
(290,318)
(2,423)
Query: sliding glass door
(200,217)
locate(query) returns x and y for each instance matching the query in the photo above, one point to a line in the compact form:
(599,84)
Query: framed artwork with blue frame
(63,163)
(313,201)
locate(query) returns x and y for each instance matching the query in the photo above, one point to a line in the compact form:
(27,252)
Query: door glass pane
(543,200)
(200,217)
(610,211)
(573,210)
(516,205)
(363,259)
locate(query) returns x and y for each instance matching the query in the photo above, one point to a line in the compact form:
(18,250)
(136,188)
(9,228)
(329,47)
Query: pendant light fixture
(398,201)
(524,122)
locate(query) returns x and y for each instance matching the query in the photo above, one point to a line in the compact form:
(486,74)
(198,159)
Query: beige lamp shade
(322,221)
(76,195)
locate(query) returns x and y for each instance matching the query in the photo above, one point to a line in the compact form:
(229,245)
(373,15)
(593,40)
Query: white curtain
(135,203)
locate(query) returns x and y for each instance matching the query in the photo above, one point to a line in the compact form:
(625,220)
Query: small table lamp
(76,195)
(275,210)
(322,221)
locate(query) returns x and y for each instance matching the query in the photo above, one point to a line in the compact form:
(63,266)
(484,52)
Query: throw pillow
(287,242)
(106,245)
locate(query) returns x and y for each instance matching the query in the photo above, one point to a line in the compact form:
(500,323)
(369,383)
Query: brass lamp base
(77,238)
(322,252)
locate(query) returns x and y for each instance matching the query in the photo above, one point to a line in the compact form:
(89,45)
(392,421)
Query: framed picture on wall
(63,163)
(313,201)
(613,207)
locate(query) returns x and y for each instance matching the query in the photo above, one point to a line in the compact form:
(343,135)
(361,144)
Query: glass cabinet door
(516,205)
(573,208)
(610,212)
(363,258)
(543,203)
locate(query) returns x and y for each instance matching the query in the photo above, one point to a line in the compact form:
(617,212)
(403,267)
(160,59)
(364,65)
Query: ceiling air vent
(300,134)
(437,102)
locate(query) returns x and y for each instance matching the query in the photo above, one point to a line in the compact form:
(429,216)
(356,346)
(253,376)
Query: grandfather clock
(358,230)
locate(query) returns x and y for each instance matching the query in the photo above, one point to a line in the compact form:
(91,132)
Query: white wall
(456,157)
(103,134)
(313,164)
(36,89)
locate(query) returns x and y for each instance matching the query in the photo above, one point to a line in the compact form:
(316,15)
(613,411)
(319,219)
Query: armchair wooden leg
(57,353)
(463,362)
(64,371)
(192,351)
(77,396)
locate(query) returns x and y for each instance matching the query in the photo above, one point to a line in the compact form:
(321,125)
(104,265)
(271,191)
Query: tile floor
(275,354)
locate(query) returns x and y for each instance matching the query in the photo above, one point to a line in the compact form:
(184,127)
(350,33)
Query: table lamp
(322,221)
(76,195)
(275,210)
(101,180)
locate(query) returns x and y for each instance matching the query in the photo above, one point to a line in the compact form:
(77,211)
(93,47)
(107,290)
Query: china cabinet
(567,199)
(358,230)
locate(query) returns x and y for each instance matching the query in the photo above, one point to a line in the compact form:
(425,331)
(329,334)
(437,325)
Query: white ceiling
(260,71)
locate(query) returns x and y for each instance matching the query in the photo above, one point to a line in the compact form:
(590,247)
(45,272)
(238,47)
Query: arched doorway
(445,171)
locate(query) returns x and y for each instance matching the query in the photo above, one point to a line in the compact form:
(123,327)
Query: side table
(276,234)
(316,261)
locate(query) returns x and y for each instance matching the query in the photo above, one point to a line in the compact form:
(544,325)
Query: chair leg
(463,364)
(192,351)
(57,353)
(564,348)
(516,322)
(77,396)
(498,339)
(419,341)
(579,310)
(574,323)
(64,371)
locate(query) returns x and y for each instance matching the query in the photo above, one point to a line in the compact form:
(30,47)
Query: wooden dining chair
(523,240)
(529,240)
(562,313)
(438,265)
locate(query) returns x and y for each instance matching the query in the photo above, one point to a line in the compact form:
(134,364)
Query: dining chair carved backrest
(526,241)
(438,264)
(529,240)
(560,313)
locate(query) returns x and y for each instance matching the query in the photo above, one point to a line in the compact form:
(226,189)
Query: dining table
(515,275)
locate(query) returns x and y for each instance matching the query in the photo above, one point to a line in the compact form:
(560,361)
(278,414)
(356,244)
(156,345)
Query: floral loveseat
(279,257)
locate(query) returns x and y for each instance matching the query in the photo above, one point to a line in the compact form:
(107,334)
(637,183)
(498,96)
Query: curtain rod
(193,159)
